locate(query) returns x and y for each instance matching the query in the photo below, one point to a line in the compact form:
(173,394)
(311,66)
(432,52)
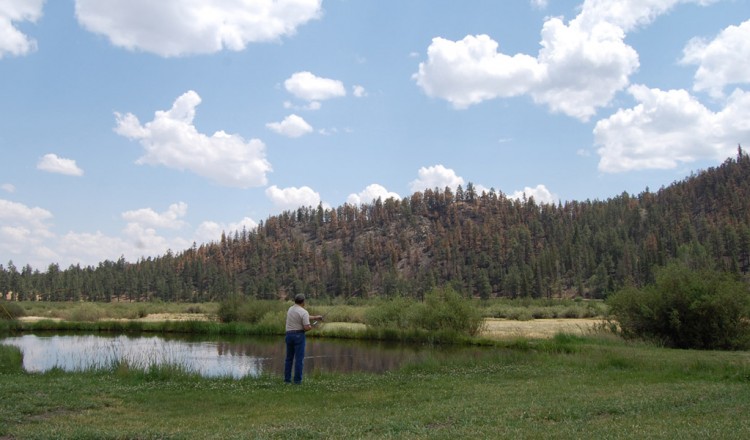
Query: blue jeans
(295,354)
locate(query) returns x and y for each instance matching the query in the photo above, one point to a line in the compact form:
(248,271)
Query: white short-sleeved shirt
(297,318)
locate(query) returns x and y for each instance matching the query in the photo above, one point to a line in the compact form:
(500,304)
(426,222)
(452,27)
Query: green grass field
(566,387)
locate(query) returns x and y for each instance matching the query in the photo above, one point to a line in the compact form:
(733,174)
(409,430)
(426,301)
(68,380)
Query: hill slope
(488,244)
(481,244)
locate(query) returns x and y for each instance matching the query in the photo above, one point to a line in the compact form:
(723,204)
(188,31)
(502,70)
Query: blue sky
(129,128)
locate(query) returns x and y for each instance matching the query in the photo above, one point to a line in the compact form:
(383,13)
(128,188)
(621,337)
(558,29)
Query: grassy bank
(443,317)
(137,327)
(354,310)
(567,387)
(94,311)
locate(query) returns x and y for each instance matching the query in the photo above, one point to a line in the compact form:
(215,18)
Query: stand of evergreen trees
(481,245)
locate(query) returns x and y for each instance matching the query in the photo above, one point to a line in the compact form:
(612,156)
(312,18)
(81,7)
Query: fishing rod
(7,312)
(322,318)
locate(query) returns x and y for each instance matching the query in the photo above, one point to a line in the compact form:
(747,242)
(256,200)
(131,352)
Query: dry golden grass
(508,329)
(37,318)
(537,328)
(154,317)
(158,317)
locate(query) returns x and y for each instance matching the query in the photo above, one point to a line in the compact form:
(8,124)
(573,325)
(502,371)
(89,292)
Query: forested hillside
(481,244)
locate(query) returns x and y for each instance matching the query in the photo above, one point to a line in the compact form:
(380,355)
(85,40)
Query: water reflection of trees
(236,358)
(333,356)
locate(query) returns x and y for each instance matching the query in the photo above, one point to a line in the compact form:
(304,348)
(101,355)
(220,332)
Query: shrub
(142,312)
(273,322)
(87,312)
(247,310)
(443,310)
(391,313)
(194,309)
(571,313)
(686,309)
(228,309)
(10,310)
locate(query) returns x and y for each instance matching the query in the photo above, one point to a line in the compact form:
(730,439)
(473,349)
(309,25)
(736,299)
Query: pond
(226,357)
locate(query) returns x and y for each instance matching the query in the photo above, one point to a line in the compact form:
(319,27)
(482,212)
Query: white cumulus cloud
(292,126)
(8,187)
(308,87)
(173,141)
(148,217)
(370,193)
(436,176)
(144,241)
(53,164)
(722,61)
(15,214)
(579,68)
(292,197)
(183,27)
(27,236)
(24,231)
(540,193)
(210,231)
(670,127)
(89,248)
(13,41)
(471,70)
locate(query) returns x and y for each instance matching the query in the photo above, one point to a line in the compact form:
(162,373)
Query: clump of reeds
(11,359)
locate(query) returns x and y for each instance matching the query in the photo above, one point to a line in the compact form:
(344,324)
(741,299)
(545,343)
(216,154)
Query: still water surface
(235,357)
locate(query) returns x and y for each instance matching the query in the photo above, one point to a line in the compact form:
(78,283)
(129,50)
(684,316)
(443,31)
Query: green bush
(10,310)
(686,309)
(443,310)
(391,313)
(194,309)
(228,309)
(273,322)
(239,309)
(87,312)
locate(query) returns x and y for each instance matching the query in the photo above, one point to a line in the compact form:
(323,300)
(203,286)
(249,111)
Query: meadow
(564,387)
(592,384)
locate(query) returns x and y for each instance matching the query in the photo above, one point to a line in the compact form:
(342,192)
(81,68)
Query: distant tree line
(482,245)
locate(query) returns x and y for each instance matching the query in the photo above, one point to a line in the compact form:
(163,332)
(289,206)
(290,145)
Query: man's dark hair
(299,298)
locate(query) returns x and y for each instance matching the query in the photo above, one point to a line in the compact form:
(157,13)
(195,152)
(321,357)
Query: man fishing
(297,323)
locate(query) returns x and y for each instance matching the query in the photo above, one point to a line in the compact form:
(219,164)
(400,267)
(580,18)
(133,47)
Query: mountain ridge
(482,245)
